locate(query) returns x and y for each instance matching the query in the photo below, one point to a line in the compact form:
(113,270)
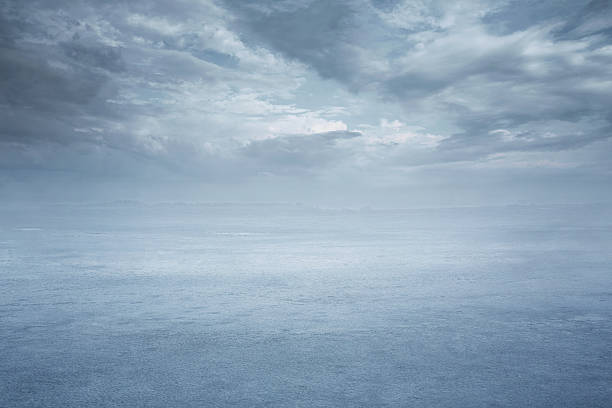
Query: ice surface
(277,305)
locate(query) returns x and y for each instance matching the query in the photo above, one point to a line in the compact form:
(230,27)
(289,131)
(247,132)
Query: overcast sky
(381,102)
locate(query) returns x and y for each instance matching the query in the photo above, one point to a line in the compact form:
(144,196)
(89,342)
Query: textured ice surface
(203,305)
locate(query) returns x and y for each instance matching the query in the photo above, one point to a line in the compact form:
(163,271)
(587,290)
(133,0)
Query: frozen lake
(205,305)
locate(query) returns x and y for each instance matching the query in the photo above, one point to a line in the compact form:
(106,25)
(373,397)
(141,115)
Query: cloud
(451,62)
(227,90)
(299,152)
(312,33)
(110,75)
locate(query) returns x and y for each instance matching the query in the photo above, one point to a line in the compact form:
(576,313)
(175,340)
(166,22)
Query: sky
(362,102)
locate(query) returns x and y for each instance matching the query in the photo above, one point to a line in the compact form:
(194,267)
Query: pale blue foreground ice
(130,305)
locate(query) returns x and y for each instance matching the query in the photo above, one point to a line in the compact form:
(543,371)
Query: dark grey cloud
(593,19)
(53,83)
(518,15)
(42,101)
(476,146)
(76,72)
(216,57)
(317,33)
(94,55)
